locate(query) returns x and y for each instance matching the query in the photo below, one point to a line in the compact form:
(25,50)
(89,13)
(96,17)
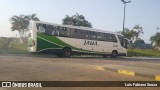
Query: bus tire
(67,52)
(114,54)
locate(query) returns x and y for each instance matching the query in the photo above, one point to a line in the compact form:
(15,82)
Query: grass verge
(18,48)
(146,53)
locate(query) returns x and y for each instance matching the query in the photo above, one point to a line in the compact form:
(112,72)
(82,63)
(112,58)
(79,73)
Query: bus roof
(77,27)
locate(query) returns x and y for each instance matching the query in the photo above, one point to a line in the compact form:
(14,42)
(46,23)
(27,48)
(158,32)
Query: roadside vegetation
(12,47)
(145,52)
(18,48)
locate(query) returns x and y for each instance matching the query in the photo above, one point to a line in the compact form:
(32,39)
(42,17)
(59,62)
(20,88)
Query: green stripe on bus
(57,41)
(42,44)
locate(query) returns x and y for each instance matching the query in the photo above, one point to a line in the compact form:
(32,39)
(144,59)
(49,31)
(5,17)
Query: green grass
(18,48)
(147,53)
(2,44)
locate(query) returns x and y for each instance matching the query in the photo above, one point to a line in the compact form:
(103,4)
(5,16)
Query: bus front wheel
(114,54)
(67,52)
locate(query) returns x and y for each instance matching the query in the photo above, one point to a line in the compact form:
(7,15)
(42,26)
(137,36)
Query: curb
(128,72)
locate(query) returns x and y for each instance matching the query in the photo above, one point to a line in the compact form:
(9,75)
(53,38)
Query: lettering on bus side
(115,45)
(86,42)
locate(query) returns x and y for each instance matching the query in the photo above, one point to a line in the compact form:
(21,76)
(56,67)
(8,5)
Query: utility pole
(124,2)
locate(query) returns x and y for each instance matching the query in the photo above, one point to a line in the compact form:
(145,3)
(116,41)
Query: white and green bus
(67,40)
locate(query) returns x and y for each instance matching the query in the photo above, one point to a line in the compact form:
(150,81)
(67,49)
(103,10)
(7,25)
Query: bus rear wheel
(67,52)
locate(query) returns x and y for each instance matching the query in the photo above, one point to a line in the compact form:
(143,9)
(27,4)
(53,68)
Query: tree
(133,33)
(137,31)
(129,34)
(32,17)
(76,20)
(21,22)
(155,39)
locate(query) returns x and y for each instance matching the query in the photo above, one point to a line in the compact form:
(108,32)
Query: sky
(103,14)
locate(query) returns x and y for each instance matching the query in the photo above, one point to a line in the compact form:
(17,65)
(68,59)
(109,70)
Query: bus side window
(50,29)
(68,32)
(83,34)
(114,39)
(41,29)
(71,32)
(100,36)
(109,37)
(76,33)
(103,36)
(86,34)
(80,34)
(53,30)
(64,32)
(90,34)
(61,32)
(45,28)
(37,25)
(94,36)
(56,28)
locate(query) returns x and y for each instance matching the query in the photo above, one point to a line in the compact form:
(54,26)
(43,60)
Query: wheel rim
(114,54)
(67,52)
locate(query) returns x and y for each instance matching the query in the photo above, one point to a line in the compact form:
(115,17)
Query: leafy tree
(129,34)
(155,39)
(20,23)
(137,31)
(76,20)
(32,17)
(133,33)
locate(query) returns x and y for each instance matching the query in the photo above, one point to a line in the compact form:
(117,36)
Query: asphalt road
(48,68)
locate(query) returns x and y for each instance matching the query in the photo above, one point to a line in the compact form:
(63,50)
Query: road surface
(48,68)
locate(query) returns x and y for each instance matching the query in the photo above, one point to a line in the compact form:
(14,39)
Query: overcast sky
(103,14)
